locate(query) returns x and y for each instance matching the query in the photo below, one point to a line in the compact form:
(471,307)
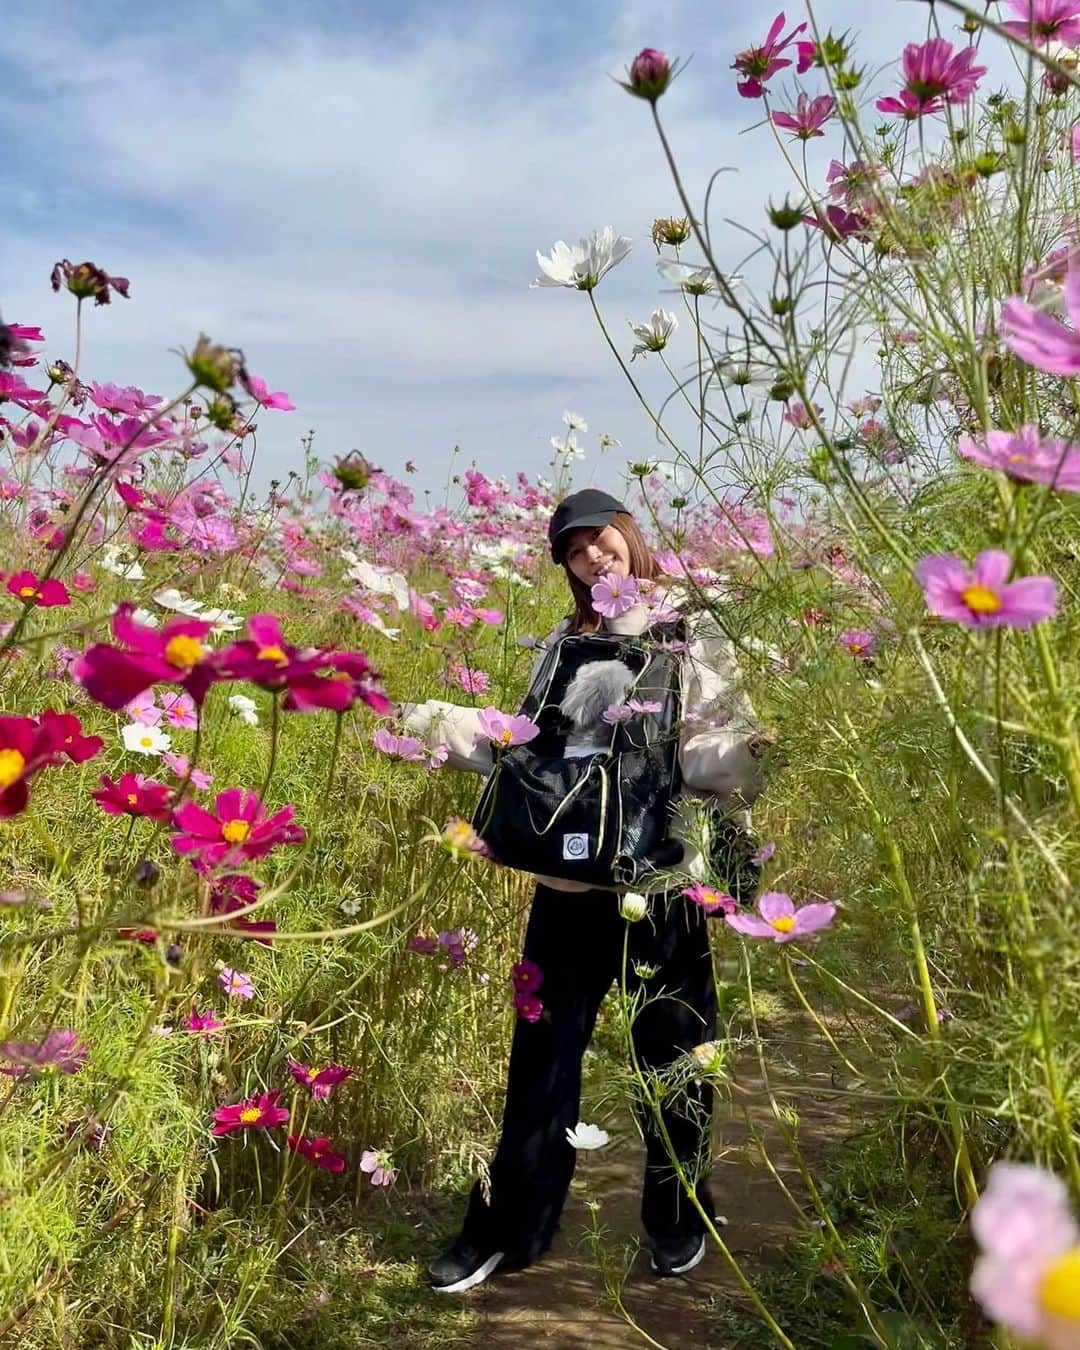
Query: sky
(354,193)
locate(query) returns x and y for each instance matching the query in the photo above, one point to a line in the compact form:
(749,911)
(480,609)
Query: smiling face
(595,551)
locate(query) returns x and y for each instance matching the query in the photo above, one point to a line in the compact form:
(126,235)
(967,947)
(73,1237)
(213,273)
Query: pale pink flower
(1025,456)
(981,597)
(1039,339)
(398,747)
(1044,21)
(236,984)
(614,596)
(378,1164)
(179,709)
(504,729)
(860,642)
(780,921)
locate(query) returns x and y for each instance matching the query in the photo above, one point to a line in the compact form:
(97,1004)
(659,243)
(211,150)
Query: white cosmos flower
(351,907)
(113,561)
(582,265)
(568,446)
(244,708)
(510,574)
(223,620)
(574,421)
(606,441)
(170,598)
(381,580)
(145,617)
(142,740)
(582,1136)
(694,280)
(653,336)
(376,621)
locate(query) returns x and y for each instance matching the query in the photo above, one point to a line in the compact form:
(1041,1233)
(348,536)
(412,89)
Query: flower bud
(708,1056)
(650,74)
(785,217)
(633,906)
(670,230)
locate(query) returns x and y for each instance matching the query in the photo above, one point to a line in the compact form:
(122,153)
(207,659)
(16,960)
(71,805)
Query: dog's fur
(596,686)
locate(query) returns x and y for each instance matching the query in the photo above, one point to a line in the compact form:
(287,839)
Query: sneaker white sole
(695,1260)
(478,1276)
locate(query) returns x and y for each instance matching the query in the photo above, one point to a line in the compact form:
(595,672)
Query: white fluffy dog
(596,686)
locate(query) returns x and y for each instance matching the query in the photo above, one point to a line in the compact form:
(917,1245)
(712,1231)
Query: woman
(577,940)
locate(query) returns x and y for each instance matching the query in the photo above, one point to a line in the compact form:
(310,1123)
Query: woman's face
(595,551)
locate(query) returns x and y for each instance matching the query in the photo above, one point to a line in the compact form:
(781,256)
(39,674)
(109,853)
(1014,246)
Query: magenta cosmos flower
(710,898)
(1041,340)
(133,795)
(204,1024)
(1041,22)
(759,64)
(45,594)
(932,72)
(60,1050)
(1027,1276)
(780,921)
(860,642)
(378,1164)
(241,829)
(254,1113)
(809,117)
(260,392)
(1025,456)
(30,744)
(175,654)
(504,730)
(526,976)
(981,597)
(319,1082)
(318,1151)
(614,596)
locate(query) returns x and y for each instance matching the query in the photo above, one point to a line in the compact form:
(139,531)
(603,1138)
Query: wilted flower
(980,597)
(254,1113)
(213,366)
(585,1137)
(670,230)
(653,336)
(87,281)
(60,1050)
(780,921)
(317,1150)
(581,266)
(319,1082)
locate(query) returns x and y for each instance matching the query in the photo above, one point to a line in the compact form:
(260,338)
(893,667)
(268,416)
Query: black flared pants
(577,941)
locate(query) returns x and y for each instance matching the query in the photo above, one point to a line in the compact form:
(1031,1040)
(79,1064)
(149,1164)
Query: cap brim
(597,518)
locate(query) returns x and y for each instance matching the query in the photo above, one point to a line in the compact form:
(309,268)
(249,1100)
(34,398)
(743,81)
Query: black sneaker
(677,1255)
(462,1267)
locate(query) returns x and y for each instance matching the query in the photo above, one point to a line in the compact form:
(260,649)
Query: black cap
(590,506)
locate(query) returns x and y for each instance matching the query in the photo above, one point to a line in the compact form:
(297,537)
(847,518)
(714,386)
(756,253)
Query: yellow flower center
(312,1074)
(784,924)
(132,799)
(12,764)
(146,742)
(250,1114)
(235,831)
(27,592)
(274,654)
(506,735)
(1059,1288)
(981,599)
(183,651)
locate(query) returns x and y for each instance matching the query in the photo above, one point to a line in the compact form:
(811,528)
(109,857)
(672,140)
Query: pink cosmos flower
(1027,1276)
(133,795)
(236,892)
(60,1050)
(398,747)
(780,921)
(528,1007)
(759,64)
(798,415)
(175,654)
(179,710)
(143,709)
(205,1024)
(472,681)
(1025,456)
(235,983)
(30,744)
(837,223)
(764,853)
(981,597)
(260,392)
(504,729)
(180,764)
(317,1150)
(319,1082)
(254,1113)
(378,1165)
(45,594)
(809,117)
(526,976)
(933,71)
(241,829)
(860,642)
(1041,340)
(710,899)
(613,596)
(616,713)
(1044,21)
(460,839)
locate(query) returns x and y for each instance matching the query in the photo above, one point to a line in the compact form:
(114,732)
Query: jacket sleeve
(718,720)
(458,727)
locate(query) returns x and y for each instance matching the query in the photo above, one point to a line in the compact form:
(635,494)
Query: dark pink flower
(759,64)
(241,829)
(809,117)
(650,74)
(205,1024)
(1044,21)
(174,654)
(981,597)
(30,744)
(711,900)
(780,921)
(60,1050)
(317,1150)
(319,1082)
(932,72)
(133,795)
(837,223)
(254,1113)
(528,1007)
(234,892)
(526,976)
(46,594)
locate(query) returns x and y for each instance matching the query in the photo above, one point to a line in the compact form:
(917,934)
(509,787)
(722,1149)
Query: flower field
(257,971)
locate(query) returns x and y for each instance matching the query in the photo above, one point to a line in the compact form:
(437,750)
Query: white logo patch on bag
(575,846)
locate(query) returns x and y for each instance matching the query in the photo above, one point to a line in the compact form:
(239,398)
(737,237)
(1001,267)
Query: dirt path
(562,1300)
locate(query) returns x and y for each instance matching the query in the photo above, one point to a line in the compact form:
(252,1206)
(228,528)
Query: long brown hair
(585,619)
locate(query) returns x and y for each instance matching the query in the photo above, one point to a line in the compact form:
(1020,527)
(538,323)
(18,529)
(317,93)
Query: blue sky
(354,194)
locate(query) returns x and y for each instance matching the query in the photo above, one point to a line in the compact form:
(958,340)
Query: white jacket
(718,723)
